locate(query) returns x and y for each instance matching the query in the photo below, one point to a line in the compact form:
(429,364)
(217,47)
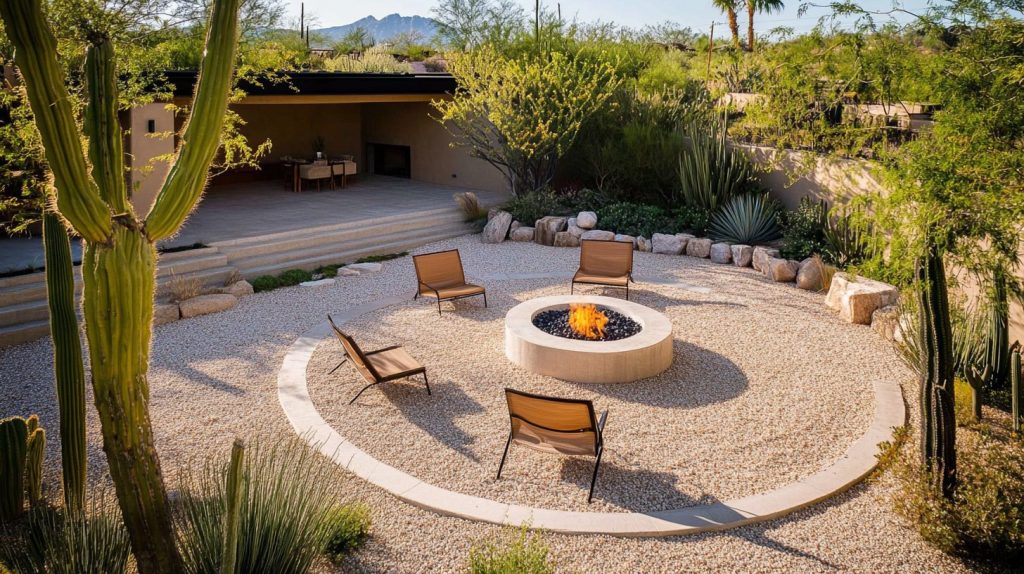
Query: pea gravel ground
(768,386)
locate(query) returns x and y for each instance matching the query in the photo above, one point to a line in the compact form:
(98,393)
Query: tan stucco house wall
(143,147)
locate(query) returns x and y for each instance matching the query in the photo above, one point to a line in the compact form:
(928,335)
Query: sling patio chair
(380,366)
(440,275)
(555,425)
(608,263)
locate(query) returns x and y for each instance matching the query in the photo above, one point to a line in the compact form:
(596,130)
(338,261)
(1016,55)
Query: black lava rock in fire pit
(556,322)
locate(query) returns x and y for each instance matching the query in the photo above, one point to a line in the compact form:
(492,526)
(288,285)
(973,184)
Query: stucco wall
(147,174)
(433,161)
(292,128)
(794,175)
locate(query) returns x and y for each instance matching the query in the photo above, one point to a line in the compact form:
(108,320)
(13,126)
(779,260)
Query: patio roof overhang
(330,87)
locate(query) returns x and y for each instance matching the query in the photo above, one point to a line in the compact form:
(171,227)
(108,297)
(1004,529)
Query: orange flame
(587,321)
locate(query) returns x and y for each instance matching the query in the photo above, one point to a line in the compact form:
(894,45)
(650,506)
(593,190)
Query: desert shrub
(285,515)
(632,219)
(985,518)
(689,220)
(381,258)
(848,237)
(749,219)
(512,552)
(802,231)
(375,60)
(294,277)
(327,271)
(265,283)
(585,199)
(711,172)
(52,542)
(435,63)
(348,527)
(527,208)
(181,288)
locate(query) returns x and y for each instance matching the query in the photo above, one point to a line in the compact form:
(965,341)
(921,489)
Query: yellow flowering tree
(521,115)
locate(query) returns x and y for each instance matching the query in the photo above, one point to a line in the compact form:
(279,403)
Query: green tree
(119,254)
(465,24)
(356,40)
(522,115)
(762,6)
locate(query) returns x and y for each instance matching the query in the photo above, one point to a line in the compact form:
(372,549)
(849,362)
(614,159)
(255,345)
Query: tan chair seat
(392,362)
(584,277)
(581,443)
(452,291)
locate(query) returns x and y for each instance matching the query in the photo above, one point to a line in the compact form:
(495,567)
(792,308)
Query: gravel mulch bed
(214,378)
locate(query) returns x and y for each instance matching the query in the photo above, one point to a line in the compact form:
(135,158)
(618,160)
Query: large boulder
(319,282)
(547,227)
(566,239)
(497,227)
(587,219)
(761,257)
(811,275)
(667,244)
(206,304)
(165,313)
(699,247)
(576,230)
(367,267)
(522,234)
(515,225)
(598,234)
(857,298)
(742,255)
(239,289)
(626,239)
(643,244)
(721,253)
(782,270)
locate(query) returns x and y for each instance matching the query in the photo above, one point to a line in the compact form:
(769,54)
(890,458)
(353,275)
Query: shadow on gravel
(436,414)
(643,484)
(697,377)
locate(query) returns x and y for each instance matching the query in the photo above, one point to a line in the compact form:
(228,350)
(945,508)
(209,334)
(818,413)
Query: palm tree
(729,7)
(759,6)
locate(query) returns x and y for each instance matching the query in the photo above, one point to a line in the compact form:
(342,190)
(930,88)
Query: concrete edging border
(858,461)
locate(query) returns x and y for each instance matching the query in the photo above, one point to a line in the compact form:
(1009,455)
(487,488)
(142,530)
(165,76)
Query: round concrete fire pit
(642,355)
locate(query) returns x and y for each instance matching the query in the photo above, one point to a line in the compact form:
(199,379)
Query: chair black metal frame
(437,294)
(376,378)
(597,427)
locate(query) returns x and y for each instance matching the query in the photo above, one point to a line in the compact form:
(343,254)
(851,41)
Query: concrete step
(211,277)
(395,244)
(333,247)
(24,332)
(26,312)
(309,238)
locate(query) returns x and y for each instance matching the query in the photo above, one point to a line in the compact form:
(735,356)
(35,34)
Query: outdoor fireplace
(588,339)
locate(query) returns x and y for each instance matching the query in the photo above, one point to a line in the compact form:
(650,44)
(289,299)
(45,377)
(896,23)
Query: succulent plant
(749,219)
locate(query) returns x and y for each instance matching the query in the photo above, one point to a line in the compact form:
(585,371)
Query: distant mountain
(384,29)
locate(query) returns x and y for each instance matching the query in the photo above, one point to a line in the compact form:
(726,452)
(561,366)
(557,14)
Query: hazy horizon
(698,15)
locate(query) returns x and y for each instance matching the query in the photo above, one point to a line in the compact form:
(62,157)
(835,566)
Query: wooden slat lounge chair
(440,275)
(380,366)
(555,425)
(608,263)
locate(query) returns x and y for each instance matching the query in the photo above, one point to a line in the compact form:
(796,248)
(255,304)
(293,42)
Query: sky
(697,14)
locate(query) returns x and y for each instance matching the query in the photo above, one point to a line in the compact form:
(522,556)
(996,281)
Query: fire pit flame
(587,321)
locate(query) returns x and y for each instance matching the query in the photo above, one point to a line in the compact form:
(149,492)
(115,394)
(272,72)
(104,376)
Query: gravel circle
(213,378)
(751,403)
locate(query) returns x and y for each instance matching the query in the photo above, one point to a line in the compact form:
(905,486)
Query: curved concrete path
(858,461)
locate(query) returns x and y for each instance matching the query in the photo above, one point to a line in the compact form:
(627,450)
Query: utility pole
(559,13)
(711,47)
(307,36)
(536,20)
(302,19)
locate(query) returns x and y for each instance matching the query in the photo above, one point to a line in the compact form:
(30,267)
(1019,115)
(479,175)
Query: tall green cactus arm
(105,148)
(69,371)
(35,49)
(201,139)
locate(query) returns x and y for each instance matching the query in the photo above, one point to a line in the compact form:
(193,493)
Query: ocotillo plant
(233,508)
(68,370)
(1015,376)
(119,255)
(13,448)
(938,421)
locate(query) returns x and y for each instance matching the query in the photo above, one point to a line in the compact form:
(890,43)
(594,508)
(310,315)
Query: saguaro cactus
(233,508)
(119,258)
(938,421)
(13,448)
(69,372)
(35,451)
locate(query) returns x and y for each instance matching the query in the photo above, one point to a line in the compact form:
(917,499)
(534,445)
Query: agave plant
(848,240)
(748,219)
(710,172)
